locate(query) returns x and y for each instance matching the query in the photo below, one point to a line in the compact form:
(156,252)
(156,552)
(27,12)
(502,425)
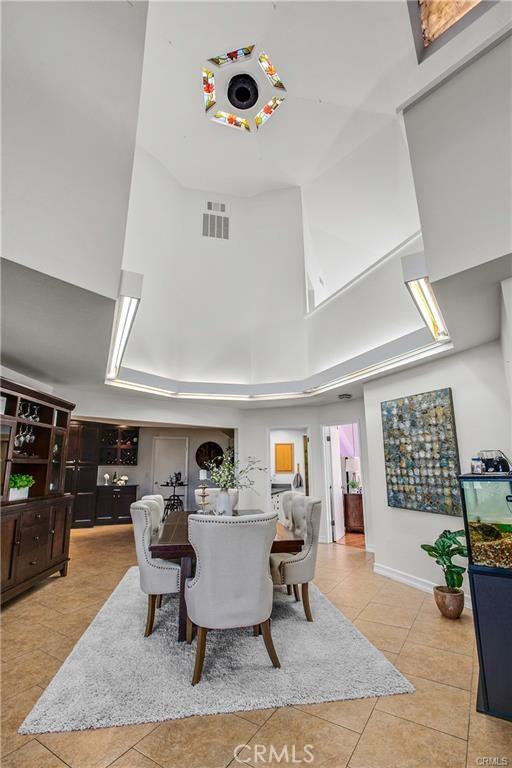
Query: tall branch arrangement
(229,473)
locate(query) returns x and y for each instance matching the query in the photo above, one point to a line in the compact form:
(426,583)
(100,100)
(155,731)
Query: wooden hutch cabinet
(34,531)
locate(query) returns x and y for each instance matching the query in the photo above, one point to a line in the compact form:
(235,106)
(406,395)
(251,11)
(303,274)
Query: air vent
(215,225)
(345,396)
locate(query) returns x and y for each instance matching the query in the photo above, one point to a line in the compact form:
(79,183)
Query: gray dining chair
(157,577)
(232,586)
(290,570)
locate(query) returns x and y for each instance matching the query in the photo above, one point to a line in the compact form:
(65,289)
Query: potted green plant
(228,475)
(354,486)
(450,598)
(19,485)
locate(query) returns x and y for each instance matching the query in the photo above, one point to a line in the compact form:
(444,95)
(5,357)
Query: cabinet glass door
(5,438)
(57,453)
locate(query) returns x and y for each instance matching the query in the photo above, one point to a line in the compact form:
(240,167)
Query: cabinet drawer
(38,517)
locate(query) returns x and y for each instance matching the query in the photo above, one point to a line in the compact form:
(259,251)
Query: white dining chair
(290,570)
(157,577)
(232,586)
(159,500)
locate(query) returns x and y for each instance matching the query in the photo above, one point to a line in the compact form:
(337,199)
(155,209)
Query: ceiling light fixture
(415,273)
(232,56)
(208,89)
(226,118)
(127,303)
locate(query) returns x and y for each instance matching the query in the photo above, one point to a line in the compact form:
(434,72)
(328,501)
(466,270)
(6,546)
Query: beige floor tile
(133,759)
(383,636)
(351,714)
(23,672)
(351,612)
(434,664)
(489,738)
(395,615)
(20,637)
(34,612)
(256,716)
(394,593)
(74,624)
(292,730)
(13,715)
(207,742)
(94,748)
(32,755)
(391,656)
(435,705)
(447,634)
(57,645)
(390,742)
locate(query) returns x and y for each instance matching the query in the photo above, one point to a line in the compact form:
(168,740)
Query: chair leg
(159,601)
(269,645)
(289,588)
(190,630)
(305,600)
(151,615)
(296,592)
(201,647)
(256,630)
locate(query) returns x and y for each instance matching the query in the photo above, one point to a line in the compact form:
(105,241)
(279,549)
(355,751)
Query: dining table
(171,543)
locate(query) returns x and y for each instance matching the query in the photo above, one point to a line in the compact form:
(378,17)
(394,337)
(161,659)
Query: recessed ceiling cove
(248,87)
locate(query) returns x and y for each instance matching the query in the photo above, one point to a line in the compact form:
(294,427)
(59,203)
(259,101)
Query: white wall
(287,436)
(359,210)
(142,473)
(506,337)
(225,310)
(482,420)
(71,77)
(460,141)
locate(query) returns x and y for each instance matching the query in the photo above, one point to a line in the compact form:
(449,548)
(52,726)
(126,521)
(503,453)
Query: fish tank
(487,506)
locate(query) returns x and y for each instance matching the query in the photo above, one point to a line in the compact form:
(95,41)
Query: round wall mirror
(208,452)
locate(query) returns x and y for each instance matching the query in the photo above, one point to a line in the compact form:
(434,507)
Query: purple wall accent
(349,440)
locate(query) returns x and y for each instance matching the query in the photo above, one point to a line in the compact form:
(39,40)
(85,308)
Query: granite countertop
(279,488)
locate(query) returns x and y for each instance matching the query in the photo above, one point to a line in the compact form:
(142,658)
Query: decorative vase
(223,503)
(449,601)
(16,494)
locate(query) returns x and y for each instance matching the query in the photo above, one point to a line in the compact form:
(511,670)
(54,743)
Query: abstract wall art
(421,454)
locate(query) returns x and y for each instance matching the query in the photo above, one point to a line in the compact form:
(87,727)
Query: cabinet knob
(38,516)
(36,538)
(33,562)
(17,543)
(51,533)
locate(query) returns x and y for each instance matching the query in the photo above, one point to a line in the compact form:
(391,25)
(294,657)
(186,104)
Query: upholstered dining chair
(159,499)
(294,569)
(157,577)
(232,586)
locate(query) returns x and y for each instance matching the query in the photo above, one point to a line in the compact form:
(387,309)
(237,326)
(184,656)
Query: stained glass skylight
(208,89)
(439,16)
(233,120)
(267,111)
(270,71)
(232,56)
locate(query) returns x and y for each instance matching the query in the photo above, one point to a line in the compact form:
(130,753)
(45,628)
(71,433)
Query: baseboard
(413,581)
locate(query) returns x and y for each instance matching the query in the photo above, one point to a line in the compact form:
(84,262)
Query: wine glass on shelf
(35,412)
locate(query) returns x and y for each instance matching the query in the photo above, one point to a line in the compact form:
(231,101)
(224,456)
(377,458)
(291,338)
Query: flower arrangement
(122,480)
(18,481)
(227,472)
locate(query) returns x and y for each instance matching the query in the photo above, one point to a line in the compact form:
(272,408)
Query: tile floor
(436,727)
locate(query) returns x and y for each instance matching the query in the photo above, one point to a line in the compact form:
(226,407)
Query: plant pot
(449,601)
(223,503)
(17,494)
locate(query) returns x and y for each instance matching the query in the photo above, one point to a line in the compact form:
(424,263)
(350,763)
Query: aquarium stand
(491,595)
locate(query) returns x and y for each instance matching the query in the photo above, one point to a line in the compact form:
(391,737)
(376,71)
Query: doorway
(289,463)
(344,488)
(170,455)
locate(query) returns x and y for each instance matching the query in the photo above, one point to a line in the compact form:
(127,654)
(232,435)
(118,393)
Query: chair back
(159,499)
(232,586)
(143,530)
(306,516)
(156,509)
(286,507)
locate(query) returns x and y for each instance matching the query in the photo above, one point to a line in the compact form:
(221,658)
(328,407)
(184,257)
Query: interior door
(170,455)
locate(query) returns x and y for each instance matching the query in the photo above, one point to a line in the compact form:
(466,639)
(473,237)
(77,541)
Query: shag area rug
(116,676)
